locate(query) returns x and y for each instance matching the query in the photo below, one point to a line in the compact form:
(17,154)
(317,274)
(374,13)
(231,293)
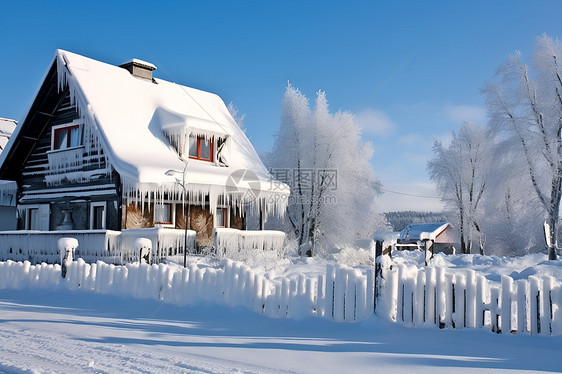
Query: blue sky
(411,70)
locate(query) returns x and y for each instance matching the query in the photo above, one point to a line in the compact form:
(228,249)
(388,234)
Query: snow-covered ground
(75,332)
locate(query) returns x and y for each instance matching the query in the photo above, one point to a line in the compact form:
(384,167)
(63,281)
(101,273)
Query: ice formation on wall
(227,239)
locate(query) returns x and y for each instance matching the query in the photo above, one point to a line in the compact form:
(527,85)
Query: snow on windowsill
(65,149)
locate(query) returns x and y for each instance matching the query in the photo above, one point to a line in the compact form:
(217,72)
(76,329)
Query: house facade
(437,237)
(106,147)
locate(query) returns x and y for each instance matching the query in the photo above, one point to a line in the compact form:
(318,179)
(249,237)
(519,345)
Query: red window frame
(61,130)
(212,146)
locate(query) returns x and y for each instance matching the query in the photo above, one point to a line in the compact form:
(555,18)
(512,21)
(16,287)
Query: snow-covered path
(75,332)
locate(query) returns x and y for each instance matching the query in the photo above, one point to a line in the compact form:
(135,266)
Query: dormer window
(66,136)
(201,148)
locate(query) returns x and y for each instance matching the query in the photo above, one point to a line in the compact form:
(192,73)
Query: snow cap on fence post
(67,246)
(143,246)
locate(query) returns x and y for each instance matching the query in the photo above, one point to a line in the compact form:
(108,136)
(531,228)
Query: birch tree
(525,106)
(461,171)
(511,208)
(333,185)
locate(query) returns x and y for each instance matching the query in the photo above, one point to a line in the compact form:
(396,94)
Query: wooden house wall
(68,195)
(200,220)
(446,236)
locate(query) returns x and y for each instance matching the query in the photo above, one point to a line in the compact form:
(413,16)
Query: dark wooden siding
(66,193)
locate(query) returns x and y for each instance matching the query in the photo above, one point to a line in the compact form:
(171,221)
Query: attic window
(201,148)
(66,136)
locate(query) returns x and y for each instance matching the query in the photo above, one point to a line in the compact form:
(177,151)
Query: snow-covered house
(103,147)
(439,237)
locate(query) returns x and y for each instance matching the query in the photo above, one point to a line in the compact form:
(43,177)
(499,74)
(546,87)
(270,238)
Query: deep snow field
(60,331)
(75,332)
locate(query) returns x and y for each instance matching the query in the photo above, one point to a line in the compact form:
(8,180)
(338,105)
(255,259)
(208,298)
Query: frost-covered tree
(511,210)
(235,113)
(525,107)
(333,185)
(461,171)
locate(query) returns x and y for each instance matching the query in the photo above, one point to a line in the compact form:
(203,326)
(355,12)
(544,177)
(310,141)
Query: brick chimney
(138,68)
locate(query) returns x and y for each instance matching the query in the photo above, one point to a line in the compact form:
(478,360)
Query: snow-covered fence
(465,299)
(165,242)
(342,294)
(226,240)
(114,247)
(41,246)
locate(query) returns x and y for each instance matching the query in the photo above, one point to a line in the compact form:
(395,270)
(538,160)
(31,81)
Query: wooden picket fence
(465,299)
(414,296)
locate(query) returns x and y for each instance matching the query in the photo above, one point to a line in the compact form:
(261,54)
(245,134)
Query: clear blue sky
(412,70)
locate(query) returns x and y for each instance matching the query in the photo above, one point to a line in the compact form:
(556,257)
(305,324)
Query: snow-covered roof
(133,118)
(422,231)
(386,236)
(7,127)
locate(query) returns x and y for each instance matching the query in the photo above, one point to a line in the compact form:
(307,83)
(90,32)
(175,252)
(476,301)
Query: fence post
(382,267)
(143,246)
(330,291)
(507,285)
(546,304)
(494,309)
(430,296)
(370,291)
(321,295)
(339,293)
(481,284)
(534,302)
(470,299)
(557,317)
(350,299)
(440,301)
(449,299)
(419,298)
(401,294)
(459,315)
(67,246)
(522,307)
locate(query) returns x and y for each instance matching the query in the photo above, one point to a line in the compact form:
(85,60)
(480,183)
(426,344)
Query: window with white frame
(35,217)
(163,214)
(32,219)
(97,215)
(66,136)
(222,217)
